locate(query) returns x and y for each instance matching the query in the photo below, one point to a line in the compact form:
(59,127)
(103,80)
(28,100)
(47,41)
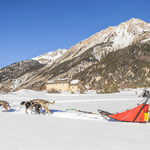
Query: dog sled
(138,113)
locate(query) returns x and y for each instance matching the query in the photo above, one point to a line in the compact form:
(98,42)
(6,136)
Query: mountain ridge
(50,57)
(100,38)
(104,39)
(84,54)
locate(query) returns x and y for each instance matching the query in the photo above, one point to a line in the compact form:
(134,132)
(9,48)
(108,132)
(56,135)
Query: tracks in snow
(70,114)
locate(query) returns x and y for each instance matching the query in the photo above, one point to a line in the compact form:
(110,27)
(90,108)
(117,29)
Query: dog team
(37,104)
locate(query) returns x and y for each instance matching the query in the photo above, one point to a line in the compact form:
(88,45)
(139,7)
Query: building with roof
(65,84)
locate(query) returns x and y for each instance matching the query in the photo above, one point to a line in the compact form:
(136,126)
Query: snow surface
(71,130)
(146,40)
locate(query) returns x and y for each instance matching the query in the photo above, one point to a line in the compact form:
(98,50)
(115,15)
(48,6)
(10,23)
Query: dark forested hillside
(124,66)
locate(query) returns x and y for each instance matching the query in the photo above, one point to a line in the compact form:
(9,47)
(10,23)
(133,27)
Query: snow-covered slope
(103,42)
(49,58)
(111,39)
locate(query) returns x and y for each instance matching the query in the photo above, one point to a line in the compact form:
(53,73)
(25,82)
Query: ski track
(70,114)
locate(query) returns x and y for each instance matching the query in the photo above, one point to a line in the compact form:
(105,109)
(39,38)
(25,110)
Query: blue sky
(29,28)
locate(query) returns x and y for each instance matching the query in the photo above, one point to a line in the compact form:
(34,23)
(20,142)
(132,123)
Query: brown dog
(44,104)
(4,104)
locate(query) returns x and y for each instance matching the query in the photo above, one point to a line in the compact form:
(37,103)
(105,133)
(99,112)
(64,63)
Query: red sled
(140,113)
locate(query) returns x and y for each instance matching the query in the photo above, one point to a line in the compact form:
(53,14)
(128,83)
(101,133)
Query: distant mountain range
(81,58)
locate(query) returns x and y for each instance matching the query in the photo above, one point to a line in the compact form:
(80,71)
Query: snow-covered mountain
(103,42)
(111,39)
(49,58)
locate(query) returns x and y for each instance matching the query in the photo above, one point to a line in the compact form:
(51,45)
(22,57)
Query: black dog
(30,105)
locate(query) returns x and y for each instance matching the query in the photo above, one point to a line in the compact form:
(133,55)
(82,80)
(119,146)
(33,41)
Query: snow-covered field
(71,130)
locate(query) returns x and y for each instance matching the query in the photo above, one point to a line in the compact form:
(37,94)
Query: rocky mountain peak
(110,39)
(49,58)
(103,42)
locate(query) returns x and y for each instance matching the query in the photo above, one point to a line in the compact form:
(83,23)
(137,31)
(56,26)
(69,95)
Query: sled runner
(82,111)
(139,113)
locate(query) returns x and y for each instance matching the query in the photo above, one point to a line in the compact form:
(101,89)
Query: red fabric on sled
(129,115)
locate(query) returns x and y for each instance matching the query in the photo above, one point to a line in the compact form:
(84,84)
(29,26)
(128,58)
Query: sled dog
(30,105)
(44,104)
(4,104)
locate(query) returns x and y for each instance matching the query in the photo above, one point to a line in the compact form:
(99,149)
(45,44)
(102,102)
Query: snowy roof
(64,80)
(74,82)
